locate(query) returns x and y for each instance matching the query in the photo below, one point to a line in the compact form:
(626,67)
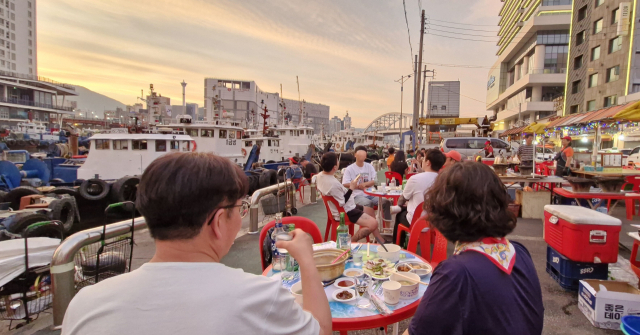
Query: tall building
(603,56)
(18,37)
(335,125)
(347,121)
(528,79)
(443,101)
(246,101)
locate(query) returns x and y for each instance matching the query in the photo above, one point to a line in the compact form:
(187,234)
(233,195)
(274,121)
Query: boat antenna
(283,106)
(299,102)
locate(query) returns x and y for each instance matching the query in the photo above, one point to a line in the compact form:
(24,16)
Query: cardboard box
(605,302)
(533,203)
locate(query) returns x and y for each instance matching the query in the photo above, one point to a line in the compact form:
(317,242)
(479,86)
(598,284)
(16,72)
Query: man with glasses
(191,203)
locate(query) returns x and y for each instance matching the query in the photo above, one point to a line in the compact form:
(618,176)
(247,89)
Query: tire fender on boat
(244,152)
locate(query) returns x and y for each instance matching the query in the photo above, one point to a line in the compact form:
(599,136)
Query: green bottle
(344,239)
(292,264)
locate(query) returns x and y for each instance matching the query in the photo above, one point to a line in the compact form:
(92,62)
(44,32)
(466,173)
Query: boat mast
(283,106)
(265,116)
(301,110)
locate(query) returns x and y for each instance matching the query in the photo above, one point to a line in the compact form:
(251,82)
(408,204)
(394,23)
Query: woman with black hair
(399,164)
(489,285)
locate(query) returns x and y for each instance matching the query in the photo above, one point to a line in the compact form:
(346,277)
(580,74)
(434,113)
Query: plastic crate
(569,284)
(576,270)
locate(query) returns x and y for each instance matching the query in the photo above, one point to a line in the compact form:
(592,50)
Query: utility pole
(417,88)
(401,81)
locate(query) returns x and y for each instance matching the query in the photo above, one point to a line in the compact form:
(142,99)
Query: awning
(535,128)
(630,113)
(554,123)
(610,113)
(513,131)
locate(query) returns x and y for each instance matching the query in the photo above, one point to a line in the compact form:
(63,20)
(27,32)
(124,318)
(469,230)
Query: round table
(395,195)
(405,309)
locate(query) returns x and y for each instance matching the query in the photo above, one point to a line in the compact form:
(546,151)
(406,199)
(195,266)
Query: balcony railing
(548,71)
(34,104)
(37,78)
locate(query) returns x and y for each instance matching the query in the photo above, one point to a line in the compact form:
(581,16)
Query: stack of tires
(261,179)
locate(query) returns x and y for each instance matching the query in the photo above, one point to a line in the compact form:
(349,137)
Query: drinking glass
(357,259)
(362,285)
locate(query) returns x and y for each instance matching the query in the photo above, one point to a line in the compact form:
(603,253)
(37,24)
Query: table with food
(384,191)
(368,287)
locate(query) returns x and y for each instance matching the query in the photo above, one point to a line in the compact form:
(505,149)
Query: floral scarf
(499,251)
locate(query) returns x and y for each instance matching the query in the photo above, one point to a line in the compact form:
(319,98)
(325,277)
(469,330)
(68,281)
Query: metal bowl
(323,258)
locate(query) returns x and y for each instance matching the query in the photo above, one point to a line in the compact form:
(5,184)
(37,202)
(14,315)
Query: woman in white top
(328,185)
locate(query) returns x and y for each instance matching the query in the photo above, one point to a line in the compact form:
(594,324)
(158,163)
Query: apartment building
(528,78)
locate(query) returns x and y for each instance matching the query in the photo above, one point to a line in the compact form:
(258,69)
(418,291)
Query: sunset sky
(347,53)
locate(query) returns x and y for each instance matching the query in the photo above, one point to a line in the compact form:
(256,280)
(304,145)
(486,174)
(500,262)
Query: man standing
(526,152)
(294,172)
(564,158)
(190,202)
(368,178)
(417,186)
(309,169)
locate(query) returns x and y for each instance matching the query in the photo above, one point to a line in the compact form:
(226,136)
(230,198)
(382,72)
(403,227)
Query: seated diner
(489,285)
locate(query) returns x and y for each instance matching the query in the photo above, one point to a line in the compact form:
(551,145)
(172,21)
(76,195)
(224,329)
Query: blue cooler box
(569,273)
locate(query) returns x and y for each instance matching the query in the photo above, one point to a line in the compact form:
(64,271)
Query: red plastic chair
(332,224)
(418,234)
(409,175)
(301,223)
(439,249)
(390,175)
(416,215)
(300,189)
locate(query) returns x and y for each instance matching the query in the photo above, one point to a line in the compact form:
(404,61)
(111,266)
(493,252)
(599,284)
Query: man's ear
(217,219)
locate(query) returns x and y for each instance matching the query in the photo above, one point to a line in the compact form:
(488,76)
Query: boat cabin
(112,156)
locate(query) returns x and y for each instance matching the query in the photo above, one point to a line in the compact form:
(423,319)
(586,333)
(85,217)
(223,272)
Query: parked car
(634,156)
(544,154)
(470,146)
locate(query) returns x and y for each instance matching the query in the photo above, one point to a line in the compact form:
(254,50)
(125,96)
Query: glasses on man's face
(243,209)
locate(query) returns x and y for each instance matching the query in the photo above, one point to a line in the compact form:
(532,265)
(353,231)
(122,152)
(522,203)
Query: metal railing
(63,265)
(36,78)
(34,104)
(258,194)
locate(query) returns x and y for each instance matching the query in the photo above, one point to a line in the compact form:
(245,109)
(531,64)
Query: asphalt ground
(562,315)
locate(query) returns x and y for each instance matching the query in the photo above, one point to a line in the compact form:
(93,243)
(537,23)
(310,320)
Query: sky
(347,53)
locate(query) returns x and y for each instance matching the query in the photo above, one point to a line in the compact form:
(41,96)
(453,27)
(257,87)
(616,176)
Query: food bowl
(580,184)
(421,269)
(393,253)
(610,184)
(323,258)
(353,272)
(296,291)
(408,290)
(348,282)
(350,301)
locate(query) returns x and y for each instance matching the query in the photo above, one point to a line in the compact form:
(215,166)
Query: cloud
(346,53)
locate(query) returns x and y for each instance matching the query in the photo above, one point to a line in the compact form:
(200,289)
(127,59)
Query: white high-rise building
(347,121)
(18,37)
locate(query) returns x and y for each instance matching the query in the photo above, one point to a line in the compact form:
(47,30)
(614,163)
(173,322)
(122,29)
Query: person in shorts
(328,185)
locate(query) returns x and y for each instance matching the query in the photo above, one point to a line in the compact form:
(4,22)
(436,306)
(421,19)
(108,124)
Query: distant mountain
(92,101)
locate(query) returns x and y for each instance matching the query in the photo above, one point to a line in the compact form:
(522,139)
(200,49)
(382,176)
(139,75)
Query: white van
(470,146)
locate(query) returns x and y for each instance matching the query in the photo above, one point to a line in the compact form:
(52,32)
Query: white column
(518,74)
(536,93)
(539,60)
(525,65)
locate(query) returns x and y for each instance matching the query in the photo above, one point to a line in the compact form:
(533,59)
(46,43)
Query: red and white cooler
(582,234)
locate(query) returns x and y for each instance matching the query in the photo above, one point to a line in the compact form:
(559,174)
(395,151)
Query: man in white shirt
(191,203)
(328,185)
(417,186)
(368,178)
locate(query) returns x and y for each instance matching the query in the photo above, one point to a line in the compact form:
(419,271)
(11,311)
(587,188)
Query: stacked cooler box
(582,243)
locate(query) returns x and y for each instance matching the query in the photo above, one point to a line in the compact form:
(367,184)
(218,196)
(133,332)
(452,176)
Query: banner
(624,17)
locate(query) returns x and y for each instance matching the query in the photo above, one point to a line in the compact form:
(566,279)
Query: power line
(465,39)
(439,25)
(465,24)
(454,32)
(408,32)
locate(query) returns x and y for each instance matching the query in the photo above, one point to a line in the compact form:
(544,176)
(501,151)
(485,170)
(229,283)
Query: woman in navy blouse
(489,285)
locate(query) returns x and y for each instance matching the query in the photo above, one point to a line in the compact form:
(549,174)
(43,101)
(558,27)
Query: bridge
(389,124)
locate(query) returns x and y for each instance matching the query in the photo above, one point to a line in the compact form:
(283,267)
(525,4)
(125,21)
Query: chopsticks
(409,278)
(342,254)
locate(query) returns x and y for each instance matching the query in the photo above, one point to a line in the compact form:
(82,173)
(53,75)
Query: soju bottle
(292,264)
(344,239)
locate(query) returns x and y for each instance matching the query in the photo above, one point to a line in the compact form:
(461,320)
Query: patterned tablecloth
(342,310)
